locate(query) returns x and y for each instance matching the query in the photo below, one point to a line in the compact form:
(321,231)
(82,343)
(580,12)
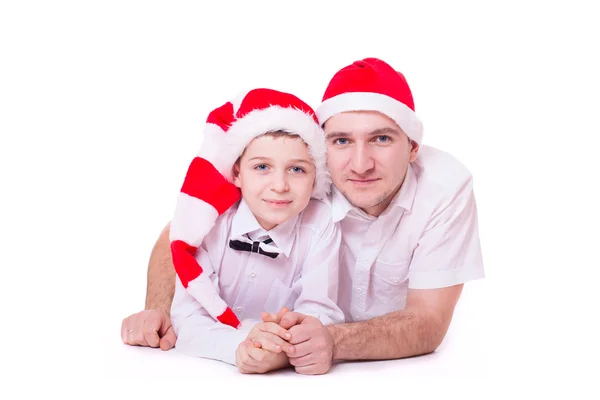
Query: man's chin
(362,201)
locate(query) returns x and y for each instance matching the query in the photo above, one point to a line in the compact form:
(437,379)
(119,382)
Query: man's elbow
(434,332)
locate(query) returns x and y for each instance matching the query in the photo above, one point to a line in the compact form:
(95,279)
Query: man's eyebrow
(376,132)
(335,135)
(385,131)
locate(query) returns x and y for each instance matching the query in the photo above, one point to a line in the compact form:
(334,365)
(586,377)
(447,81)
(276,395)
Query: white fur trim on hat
(259,122)
(367,101)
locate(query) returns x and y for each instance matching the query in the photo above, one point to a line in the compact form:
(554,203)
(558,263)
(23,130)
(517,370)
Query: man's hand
(270,337)
(312,353)
(251,360)
(148,328)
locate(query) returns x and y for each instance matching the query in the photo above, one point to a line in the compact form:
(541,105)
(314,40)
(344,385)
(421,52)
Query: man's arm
(160,286)
(152,326)
(417,329)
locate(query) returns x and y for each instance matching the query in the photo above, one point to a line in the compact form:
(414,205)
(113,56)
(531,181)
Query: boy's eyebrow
(260,158)
(295,160)
(300,161)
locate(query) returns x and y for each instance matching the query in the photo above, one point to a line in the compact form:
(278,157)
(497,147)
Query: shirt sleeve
(318,282)
(449,252)
(199,334)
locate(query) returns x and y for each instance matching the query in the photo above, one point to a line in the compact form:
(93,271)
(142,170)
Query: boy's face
(276,176)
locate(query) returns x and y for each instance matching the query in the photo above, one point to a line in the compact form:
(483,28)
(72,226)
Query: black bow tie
(253,247)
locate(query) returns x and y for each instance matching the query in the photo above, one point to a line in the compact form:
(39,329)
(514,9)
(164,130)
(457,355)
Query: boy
(275,248)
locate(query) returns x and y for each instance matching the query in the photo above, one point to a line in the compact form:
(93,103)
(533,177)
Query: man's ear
(237,181)
(413,151)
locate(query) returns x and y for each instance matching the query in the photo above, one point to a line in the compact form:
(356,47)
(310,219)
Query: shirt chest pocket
(280,295)
(389,274)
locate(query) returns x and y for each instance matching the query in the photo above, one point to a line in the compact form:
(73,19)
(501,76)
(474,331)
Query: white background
(102,105)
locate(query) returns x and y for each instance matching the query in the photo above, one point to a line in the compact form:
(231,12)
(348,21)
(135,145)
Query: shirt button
(252,274)
(359,290)
(395,280)
(239,309)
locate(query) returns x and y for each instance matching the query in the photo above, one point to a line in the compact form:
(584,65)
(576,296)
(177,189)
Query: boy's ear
(236,175)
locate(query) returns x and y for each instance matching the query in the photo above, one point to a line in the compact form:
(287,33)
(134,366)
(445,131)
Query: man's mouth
(363,181)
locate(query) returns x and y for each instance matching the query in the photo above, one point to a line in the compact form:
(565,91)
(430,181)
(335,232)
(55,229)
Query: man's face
(368,155)
(276,176)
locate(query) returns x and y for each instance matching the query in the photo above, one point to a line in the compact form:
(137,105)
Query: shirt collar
(403,199)
(244,222)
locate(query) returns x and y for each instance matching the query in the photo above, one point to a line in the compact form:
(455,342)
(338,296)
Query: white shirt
(304,278)
(427,238)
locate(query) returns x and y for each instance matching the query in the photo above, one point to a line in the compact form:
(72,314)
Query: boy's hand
(252,360)
(270,337)
(272,317)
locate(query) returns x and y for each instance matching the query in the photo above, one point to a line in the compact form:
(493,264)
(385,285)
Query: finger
(138,330)
(125,327)
(167,342)
(311,369)
(268,345)
(303,361)
(301,349)
(247,359)
(291,318)
(150,331)
(275,329)
(263,337)
(300,334)
(281,313)
(257,355)
(269,317)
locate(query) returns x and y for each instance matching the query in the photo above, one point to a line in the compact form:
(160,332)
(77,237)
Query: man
(409,233)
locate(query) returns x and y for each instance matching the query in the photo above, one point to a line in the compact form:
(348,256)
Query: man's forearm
(161,275)
(395,335)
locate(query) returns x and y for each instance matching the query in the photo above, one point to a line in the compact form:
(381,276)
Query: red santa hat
(208,189)
(372,85)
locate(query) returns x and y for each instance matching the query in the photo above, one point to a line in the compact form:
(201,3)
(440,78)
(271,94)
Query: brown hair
(274,134)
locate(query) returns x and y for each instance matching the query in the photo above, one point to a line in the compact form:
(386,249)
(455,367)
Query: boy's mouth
(277,202)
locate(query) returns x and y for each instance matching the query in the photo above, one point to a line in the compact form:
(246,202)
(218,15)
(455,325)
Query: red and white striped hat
(208,189)
(372,85)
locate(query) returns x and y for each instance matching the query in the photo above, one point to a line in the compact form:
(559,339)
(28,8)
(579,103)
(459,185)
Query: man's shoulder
(439,171)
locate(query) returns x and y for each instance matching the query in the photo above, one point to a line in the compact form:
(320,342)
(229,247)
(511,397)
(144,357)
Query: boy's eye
(341,141)
(261,167)
(297,169)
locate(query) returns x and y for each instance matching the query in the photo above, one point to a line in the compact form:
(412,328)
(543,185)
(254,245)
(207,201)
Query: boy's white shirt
(304,278)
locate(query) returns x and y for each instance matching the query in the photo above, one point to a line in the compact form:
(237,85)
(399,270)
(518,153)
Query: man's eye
(341,141)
